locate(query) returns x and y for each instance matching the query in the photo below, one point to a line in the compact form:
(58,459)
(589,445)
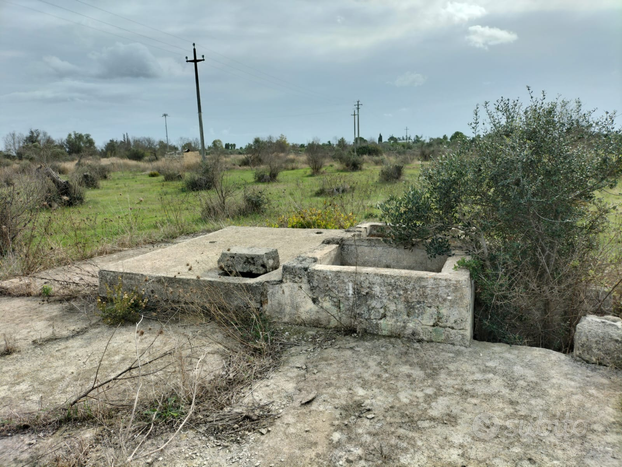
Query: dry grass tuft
(10,346)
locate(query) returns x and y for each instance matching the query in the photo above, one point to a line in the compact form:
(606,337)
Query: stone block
(249,261)
(598,339)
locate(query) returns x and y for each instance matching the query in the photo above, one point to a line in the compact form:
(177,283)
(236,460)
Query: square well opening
(377,253)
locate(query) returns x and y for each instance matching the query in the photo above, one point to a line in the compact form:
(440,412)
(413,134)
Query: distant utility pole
(196,79)
(406,133)
(166,128)
(355,140)
(358,119)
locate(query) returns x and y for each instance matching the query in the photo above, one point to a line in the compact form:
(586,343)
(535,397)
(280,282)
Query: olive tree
(77,143)
(521,199)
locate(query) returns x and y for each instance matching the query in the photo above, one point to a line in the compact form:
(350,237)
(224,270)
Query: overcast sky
(296,66)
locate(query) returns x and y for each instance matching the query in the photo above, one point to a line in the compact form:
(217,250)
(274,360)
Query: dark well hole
(247,275)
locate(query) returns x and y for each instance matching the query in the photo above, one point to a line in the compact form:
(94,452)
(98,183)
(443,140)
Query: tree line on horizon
(37,145)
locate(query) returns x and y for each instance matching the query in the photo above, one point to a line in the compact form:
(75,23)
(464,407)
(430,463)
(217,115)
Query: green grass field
(131,208)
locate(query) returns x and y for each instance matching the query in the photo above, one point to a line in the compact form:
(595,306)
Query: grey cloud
(61,67)
(125,61)
(71,91)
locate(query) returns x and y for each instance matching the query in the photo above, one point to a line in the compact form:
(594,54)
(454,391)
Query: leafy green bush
(520,198)
(136,154)
(267,174)
(154,173)
(391,172)
(201,180)
(369,150)
(255,201)
(349,160)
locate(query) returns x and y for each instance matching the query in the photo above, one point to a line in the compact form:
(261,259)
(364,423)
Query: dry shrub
(316,156)
(172,170)
(334,185)
(375,160)
(89,173)
(20,206)
(118,164)
(191,161)
(291,162)
(65,168)
(6,161)
(391,173)
(10,346)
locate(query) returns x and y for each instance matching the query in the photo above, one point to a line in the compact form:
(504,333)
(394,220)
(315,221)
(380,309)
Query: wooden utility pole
(358,119)
(355,140)
(166,128)
(196,79)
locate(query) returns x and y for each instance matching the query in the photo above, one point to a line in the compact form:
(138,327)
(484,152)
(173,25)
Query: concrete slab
(189,272)
(199,256)
(74,279)
(328,278)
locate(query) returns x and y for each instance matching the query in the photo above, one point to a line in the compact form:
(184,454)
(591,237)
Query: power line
(273,85)
(306,93)
(209,50)
(109,24)
(86,25)
(160,48)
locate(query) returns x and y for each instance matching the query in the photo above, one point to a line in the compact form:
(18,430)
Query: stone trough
(326,278)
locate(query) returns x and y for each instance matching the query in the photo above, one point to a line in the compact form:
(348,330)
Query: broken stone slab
(598,339)
(249,261)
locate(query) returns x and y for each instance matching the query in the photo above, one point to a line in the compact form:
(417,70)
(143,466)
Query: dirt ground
(335,399)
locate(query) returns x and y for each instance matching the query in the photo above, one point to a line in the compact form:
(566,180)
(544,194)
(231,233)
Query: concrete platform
(189,271)
(327,278)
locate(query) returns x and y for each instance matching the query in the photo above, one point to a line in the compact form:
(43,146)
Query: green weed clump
(154,173)
(255,201)
(329,217)
(170,409)
(121,306)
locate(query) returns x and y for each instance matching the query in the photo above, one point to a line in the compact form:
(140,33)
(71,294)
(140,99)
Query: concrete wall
(377,253)
(350,280)
(426,306)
